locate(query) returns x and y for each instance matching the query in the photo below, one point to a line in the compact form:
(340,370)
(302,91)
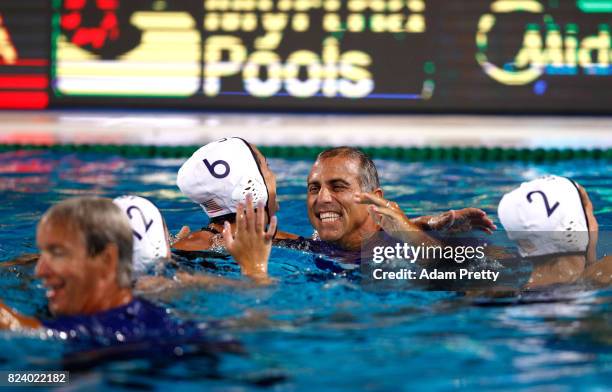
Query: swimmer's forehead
(337,169)
(61,230)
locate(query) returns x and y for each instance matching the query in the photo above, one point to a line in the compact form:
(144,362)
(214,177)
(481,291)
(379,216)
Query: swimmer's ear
(379,192)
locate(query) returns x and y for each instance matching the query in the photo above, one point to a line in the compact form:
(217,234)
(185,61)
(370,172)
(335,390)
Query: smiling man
(336,176)
(346,204)
(86,257)
(85,264)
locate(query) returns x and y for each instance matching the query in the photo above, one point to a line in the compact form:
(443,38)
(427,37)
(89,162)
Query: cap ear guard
(148,228)
(545,216)
(221,174)
(249,186)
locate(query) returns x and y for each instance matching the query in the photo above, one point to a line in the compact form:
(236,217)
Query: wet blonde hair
(100,222)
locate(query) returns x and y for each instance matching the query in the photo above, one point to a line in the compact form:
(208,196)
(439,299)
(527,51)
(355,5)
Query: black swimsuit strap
(210,230)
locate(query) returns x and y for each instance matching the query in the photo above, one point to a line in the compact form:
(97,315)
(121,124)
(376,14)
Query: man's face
(74,280)
(270,179)
(332,209)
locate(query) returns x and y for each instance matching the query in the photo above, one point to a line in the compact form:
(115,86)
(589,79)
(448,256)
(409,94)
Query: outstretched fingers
(385,211)
(481,221)
(371,198)
(390,219)
(473,218)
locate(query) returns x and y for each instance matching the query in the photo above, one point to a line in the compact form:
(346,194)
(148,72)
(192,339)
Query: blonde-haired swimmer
(85,265)
(151,237)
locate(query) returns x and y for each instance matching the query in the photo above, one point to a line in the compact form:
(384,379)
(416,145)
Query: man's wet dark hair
(368,176)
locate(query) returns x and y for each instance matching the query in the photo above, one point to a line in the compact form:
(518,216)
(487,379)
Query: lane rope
(458,154)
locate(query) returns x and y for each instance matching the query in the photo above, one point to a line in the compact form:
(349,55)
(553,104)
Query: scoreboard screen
(24,54)
(548,56)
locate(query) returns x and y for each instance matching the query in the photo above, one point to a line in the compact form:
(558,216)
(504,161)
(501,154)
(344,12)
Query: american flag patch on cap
(211,206)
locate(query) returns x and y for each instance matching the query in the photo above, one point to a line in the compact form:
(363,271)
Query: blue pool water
(314,330)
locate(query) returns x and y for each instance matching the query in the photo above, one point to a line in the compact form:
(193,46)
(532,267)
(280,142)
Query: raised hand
(251,243)
(390,217)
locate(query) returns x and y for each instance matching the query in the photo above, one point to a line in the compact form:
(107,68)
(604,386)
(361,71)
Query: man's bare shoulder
(25,259)
(283,235)
(197,240)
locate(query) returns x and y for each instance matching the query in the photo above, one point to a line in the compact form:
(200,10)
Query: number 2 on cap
(549,211)
(211,168)
(144,221)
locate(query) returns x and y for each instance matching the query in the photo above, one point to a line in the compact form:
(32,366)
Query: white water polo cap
(545,216)
(220,175)
(150,243)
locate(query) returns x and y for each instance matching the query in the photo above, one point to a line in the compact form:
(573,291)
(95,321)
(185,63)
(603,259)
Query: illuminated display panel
(24,54)
(402,55)
(551,56)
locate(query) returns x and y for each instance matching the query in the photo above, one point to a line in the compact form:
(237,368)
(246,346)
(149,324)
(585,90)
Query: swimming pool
(314,329)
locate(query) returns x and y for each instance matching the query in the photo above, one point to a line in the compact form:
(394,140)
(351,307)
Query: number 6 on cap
(211,168)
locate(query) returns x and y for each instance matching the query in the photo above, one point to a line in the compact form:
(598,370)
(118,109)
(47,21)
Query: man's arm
(159,285)
(457,221)
(600,273)
(197,240)
(202,240)
(25,259)
(9,319)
